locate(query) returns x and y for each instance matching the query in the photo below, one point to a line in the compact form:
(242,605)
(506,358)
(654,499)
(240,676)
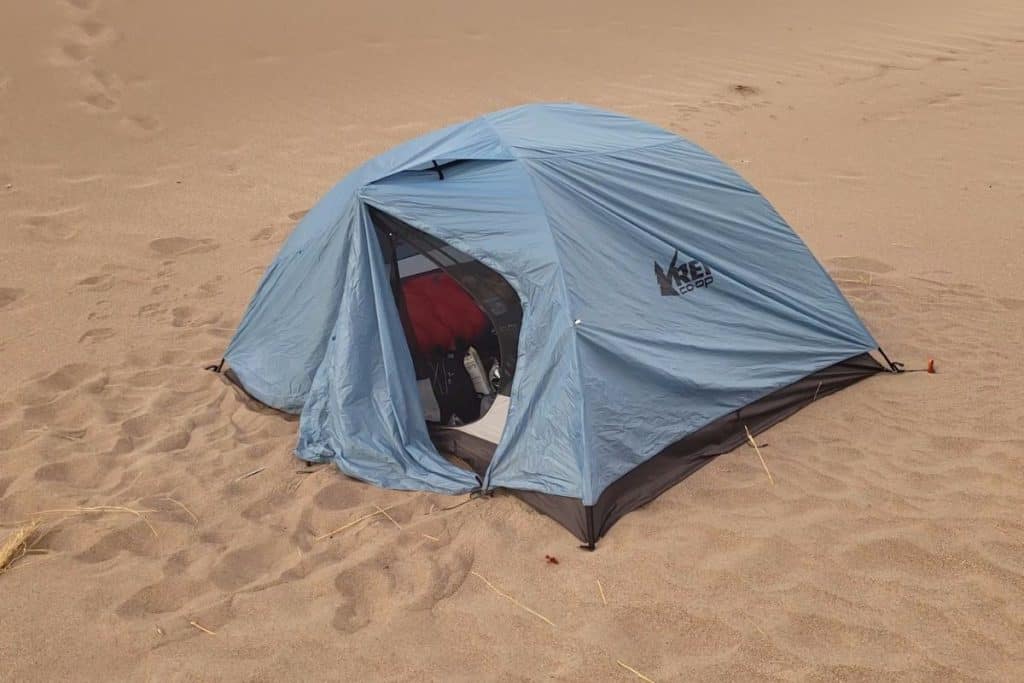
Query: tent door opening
(461,321)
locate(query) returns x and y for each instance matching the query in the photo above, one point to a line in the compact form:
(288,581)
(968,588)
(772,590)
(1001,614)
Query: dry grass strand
(355,521)
(757,450)
(195,520)
(252,473)
(74,512)
(16,545)
(202,628)
(633,671)
(385,513)
(512,600)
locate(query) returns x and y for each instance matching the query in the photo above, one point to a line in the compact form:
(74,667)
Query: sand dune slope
(152,159)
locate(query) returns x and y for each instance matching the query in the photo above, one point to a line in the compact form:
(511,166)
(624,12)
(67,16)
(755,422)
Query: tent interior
(461,321)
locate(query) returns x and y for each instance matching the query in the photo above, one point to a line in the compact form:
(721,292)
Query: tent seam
(572,155)
(581,459)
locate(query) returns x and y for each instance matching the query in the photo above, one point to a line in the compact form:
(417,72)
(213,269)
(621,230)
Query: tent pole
(588,513)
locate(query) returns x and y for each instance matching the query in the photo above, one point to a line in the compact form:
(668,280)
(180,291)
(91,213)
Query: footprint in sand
(97,283)
(74,472)
(8,295)
(95,31)
(182,317)
(175,441)
(372,589)
(70,53)
(104,90)
(340,495)
(262,235)
(210,288)
(99,101)
(247,564)
(151,310)
(1008,302)
(746,90)
(49,228)
(740,96)
(861,263)
(355,611)
(273,503)
(137,539)
(96,335)
(140,427)
(42,387)
(105,80)
(168,595)
(101,311)
(181,246)
(92,27)
(141,123)
(297,215)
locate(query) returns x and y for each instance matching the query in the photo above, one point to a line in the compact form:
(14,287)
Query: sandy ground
(154,155)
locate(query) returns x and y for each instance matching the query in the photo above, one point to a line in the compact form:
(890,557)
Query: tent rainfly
(553,299)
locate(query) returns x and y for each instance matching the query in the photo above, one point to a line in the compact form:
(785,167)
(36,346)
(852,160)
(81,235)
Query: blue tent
(647,308)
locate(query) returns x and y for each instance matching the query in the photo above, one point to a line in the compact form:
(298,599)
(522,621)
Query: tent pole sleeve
(588,511)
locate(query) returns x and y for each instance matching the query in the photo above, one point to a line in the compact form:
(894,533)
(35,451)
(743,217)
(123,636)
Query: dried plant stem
(758,451)
(512,600)
(633,671)
(355,521)
(202,628)
(195,520)
(385,513)
(253,473)
(600,589)
(71,512)
(16,545)
(471,498)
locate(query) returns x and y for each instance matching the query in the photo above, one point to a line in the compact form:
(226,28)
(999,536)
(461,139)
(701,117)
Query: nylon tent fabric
(601,224)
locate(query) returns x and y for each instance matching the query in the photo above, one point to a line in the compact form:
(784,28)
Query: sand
(153,156)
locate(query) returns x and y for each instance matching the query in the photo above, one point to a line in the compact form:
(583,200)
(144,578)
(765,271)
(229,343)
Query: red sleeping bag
(440,312)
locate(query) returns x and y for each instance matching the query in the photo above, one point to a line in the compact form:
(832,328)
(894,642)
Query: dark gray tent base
(666,469)
(676,462)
